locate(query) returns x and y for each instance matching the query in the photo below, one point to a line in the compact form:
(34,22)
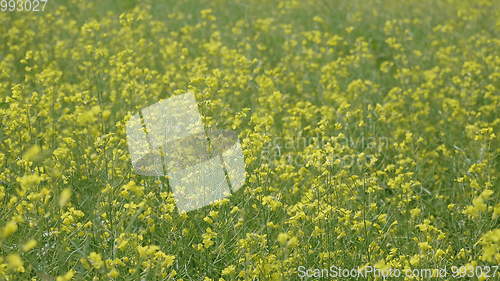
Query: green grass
(411,85)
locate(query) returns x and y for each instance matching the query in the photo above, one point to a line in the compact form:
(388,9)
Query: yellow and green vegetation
(369,129)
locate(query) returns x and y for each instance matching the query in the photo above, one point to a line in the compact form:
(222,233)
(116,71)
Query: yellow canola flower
(66,277)
(96,260)
(64,197)
(283,238)
(208,237)
(29,245)
(478,204)
(491,246)
(113,273)
(90,116)
(228,270)
(28,181)
(132,187)
(168,260)
(496,212)
(15,263)
(32,153)
(9,228)
(293,242)
(147,250)
(415,212)
(2,192)
(319,102)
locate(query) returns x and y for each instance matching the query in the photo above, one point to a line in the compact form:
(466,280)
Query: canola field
(370,133)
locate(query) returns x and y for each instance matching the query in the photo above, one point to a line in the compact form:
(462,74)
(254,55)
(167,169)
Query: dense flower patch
(369,128)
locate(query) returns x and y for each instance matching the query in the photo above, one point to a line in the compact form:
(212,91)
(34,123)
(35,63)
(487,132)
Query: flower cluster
(389,112)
